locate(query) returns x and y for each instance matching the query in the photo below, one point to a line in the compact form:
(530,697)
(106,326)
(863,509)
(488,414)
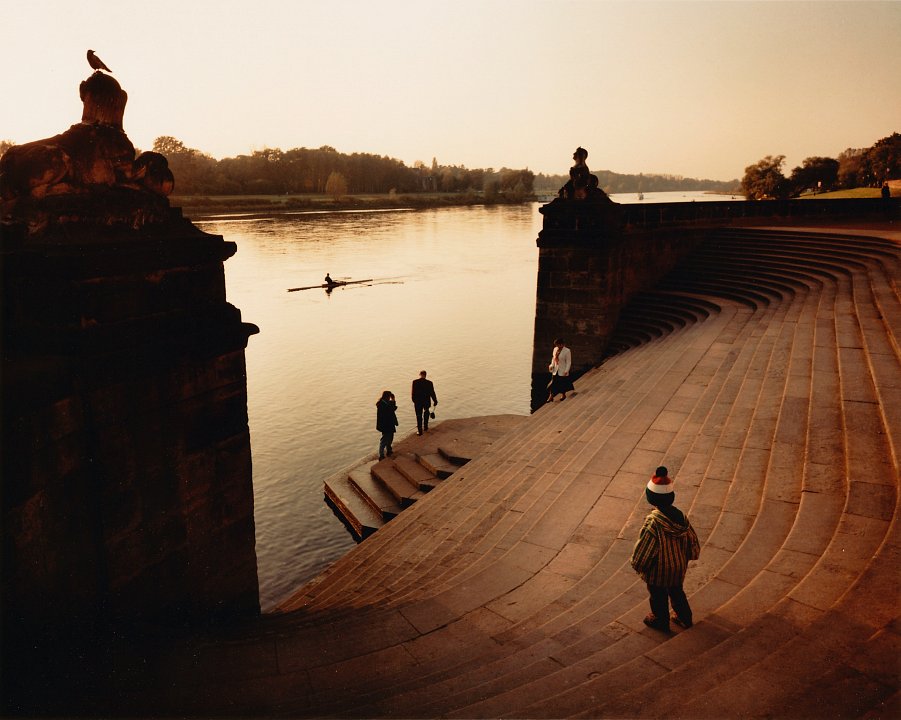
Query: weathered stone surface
(589,267)
(127,492)
(87,175)
(127,476)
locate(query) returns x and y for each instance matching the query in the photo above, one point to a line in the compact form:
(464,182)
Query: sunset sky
(699,89)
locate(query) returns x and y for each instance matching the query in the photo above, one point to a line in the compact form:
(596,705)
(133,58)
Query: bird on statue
(96,63)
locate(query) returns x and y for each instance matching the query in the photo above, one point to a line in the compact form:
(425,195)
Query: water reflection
(457,299)
(453,292)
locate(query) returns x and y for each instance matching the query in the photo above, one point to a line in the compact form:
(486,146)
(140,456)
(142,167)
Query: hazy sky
(700,89)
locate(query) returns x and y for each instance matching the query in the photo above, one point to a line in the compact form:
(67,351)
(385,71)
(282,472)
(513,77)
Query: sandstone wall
(589,266)
(127,489)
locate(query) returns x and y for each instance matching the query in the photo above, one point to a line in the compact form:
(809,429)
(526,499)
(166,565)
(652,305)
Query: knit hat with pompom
(660,490)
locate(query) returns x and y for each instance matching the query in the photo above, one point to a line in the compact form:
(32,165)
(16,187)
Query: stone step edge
(341,492)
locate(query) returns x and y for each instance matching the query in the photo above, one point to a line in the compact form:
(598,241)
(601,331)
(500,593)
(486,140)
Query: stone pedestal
(589,266)
(127,489)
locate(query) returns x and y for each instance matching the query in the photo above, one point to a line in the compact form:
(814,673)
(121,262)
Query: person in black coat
(386,422)
(423,394)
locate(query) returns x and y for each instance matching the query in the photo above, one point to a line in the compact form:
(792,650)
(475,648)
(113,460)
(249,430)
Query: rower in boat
(330,284)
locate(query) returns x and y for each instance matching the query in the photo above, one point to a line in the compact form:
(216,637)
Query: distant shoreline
(212,204)
(206,204)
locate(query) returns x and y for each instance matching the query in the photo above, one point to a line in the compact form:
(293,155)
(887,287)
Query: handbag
(432,413)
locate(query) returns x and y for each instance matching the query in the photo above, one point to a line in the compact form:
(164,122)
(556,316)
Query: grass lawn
(842,194)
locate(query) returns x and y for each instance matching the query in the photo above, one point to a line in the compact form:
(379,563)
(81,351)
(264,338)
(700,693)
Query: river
(453,293)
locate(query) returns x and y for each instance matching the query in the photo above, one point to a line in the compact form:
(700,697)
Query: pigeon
(96,63)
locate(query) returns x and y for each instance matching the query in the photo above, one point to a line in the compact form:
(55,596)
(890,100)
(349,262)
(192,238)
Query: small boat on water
(331,285)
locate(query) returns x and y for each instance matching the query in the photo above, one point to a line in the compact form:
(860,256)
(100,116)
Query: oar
(334,284)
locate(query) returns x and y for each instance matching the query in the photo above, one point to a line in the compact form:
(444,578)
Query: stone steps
(699,714)
(373,492)
(395,483)
(506,590)
(630,582)
(535,486)
(431,451)
(470,709)
(554,705)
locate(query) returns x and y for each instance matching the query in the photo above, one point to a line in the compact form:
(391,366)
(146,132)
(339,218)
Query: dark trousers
(385,444)
(660,599)
(422,416)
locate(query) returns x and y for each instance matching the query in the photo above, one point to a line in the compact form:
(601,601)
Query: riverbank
(209,204)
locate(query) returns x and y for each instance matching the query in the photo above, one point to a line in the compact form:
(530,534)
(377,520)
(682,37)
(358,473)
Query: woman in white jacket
(561,362)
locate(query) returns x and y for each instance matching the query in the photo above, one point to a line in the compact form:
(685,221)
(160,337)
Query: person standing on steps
(386,422)
(423,394)
(561,363)
(666,543)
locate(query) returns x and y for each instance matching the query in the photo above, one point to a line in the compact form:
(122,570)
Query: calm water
(458,300)
(454,295)
(672,196)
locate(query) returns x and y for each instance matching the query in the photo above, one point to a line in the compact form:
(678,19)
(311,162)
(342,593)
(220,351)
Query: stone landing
(370,493)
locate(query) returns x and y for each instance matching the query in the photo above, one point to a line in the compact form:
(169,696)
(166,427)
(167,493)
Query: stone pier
(127,491)
(589,266)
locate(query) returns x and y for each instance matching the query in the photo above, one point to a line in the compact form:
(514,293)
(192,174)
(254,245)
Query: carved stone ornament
(85,177)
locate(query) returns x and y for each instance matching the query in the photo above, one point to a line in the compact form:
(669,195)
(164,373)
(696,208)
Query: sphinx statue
(582,184)
(87,176)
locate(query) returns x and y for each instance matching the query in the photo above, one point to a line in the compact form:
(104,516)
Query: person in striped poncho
(665,545)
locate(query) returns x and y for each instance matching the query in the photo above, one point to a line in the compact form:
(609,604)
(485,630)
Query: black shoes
(652,621)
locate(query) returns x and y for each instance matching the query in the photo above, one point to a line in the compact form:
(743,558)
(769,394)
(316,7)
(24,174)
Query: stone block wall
(589,266)
(127,489)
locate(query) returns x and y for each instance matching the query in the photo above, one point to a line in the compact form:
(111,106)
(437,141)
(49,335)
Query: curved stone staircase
(765,372)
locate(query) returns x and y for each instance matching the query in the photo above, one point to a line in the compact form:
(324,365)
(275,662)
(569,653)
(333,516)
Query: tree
(851,168)
(816,173)
(170,146)
(5,145)
(871,166)
(885,158)
(336,185)
(194,171)
(448,180)
(765,180)
(518,182)
(323,170)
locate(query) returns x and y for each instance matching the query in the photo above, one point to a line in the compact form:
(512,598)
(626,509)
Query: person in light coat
(561,363)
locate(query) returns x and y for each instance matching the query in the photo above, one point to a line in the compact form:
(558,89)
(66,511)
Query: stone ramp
(771,388)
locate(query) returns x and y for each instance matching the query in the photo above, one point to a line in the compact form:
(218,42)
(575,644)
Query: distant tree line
(867,167)
(272,171)
(611,182)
